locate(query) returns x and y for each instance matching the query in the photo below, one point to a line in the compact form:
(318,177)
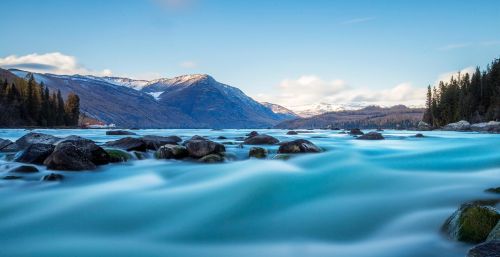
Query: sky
(293,53)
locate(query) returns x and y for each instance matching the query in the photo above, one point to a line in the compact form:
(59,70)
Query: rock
(139,155)
(419,135)
(67,156)
(211,158)
(116,155)
(221,137)
(371,136)
(93,152)
(261,140)
(379,130)
(129,144)
(493,190)
(252,134)
(239,138)
(35,153)
(494,233)
(12,177)
(155,142)
(298,146)
(423,126)
(356,132)
(198,147)
(471,223)
(119,133)
(24,169)
(283,157)
(53,177)
(257,152)
(458,126)
(35,138)
(291,132)
(7,146)
(487,249)
(492,126)
(172,152)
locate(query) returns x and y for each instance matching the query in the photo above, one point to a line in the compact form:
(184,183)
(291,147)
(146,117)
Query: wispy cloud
(455,46)
(357,20)
(56,63)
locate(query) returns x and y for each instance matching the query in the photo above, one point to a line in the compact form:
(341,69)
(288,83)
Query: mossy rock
(257,152)
(211,158)
(471,223)
(116,155)
(283,157)
(139,155)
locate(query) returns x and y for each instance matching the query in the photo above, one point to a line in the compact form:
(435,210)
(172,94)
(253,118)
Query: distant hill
(398,116)
(190,101)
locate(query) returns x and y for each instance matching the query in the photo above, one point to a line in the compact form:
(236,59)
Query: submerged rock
(371,136)
(257,152)
(252,134)
(35,138)
(129,144)
(298,146)
(116,155)
(53,177)
(221,137)
(487,249)
(67,156)
(291,132)
(261,140)
(493,190)
(458,126)
(155,142)
(12,177)
(471,223)
(198,147)
(283,157)
(24,169)
(35,153)
(419,135)
(211,158)
(120,133)
(356,132)
(172,152)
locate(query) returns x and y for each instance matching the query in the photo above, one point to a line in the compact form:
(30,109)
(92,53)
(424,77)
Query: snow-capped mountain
(189,101)
(278,109)
(320,108)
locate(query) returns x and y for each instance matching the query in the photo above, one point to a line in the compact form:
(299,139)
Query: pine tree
(72,109)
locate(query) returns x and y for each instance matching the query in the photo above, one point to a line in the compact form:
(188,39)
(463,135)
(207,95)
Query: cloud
(357,20)
(55,63)
(447,75)
(309,90)
(188,64)
(455,46)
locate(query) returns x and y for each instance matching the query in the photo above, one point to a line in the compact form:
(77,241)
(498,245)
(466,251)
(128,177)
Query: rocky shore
(484,127)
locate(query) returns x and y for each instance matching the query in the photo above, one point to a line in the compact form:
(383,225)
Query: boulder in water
(261,140)
(211,158)
(356,132)
(116,155)
(35,153)
(458,126)
(120,133)
(419,135)
(198,147)
(129,144)
(24,169)
(172,152)
(486,249)
(53,177)
(7,146)
(68,156)
(252,134)
(371,136)
(291,132)
(35,138)
(257,152)
(93,152)
(492,126)
(298,146)
(155,142)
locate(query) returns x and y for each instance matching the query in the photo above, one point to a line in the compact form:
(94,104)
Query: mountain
(190,101)
(398,116)
(278,109)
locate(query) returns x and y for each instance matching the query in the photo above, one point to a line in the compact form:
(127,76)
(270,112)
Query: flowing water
(357,199)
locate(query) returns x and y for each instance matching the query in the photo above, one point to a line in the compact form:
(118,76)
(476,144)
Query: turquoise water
(358,198)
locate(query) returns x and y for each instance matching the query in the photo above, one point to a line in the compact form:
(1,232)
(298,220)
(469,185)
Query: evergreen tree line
(27,103)
(475,98)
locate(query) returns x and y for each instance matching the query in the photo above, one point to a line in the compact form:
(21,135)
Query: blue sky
(290,52)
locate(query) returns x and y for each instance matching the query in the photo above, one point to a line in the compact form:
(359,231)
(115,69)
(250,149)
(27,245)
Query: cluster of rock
(463,125)
(478,223)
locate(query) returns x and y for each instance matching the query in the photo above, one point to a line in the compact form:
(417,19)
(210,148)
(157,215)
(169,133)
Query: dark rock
(493,190)
(494,233)
(129,144)
(93,152)
(298,146)
(221,137)
(380,130)
(291,132)
(239,138)
(24,169)
(211,158)
(198,147)
(252,134)
(67,156)
(35,153)
(371,136)
(283,157)
(35,138)
(139,155)
(471,223)
(261,140)
(356,132)
(12,177)
(7,146)
(116,155)
(423,126)
(172,152)
(53,177)
(257,152)
(419,135)
(119,133)
(487,249)
(155,142)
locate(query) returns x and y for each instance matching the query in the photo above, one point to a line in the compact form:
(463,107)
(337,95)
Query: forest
(24,102)
(475,98)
